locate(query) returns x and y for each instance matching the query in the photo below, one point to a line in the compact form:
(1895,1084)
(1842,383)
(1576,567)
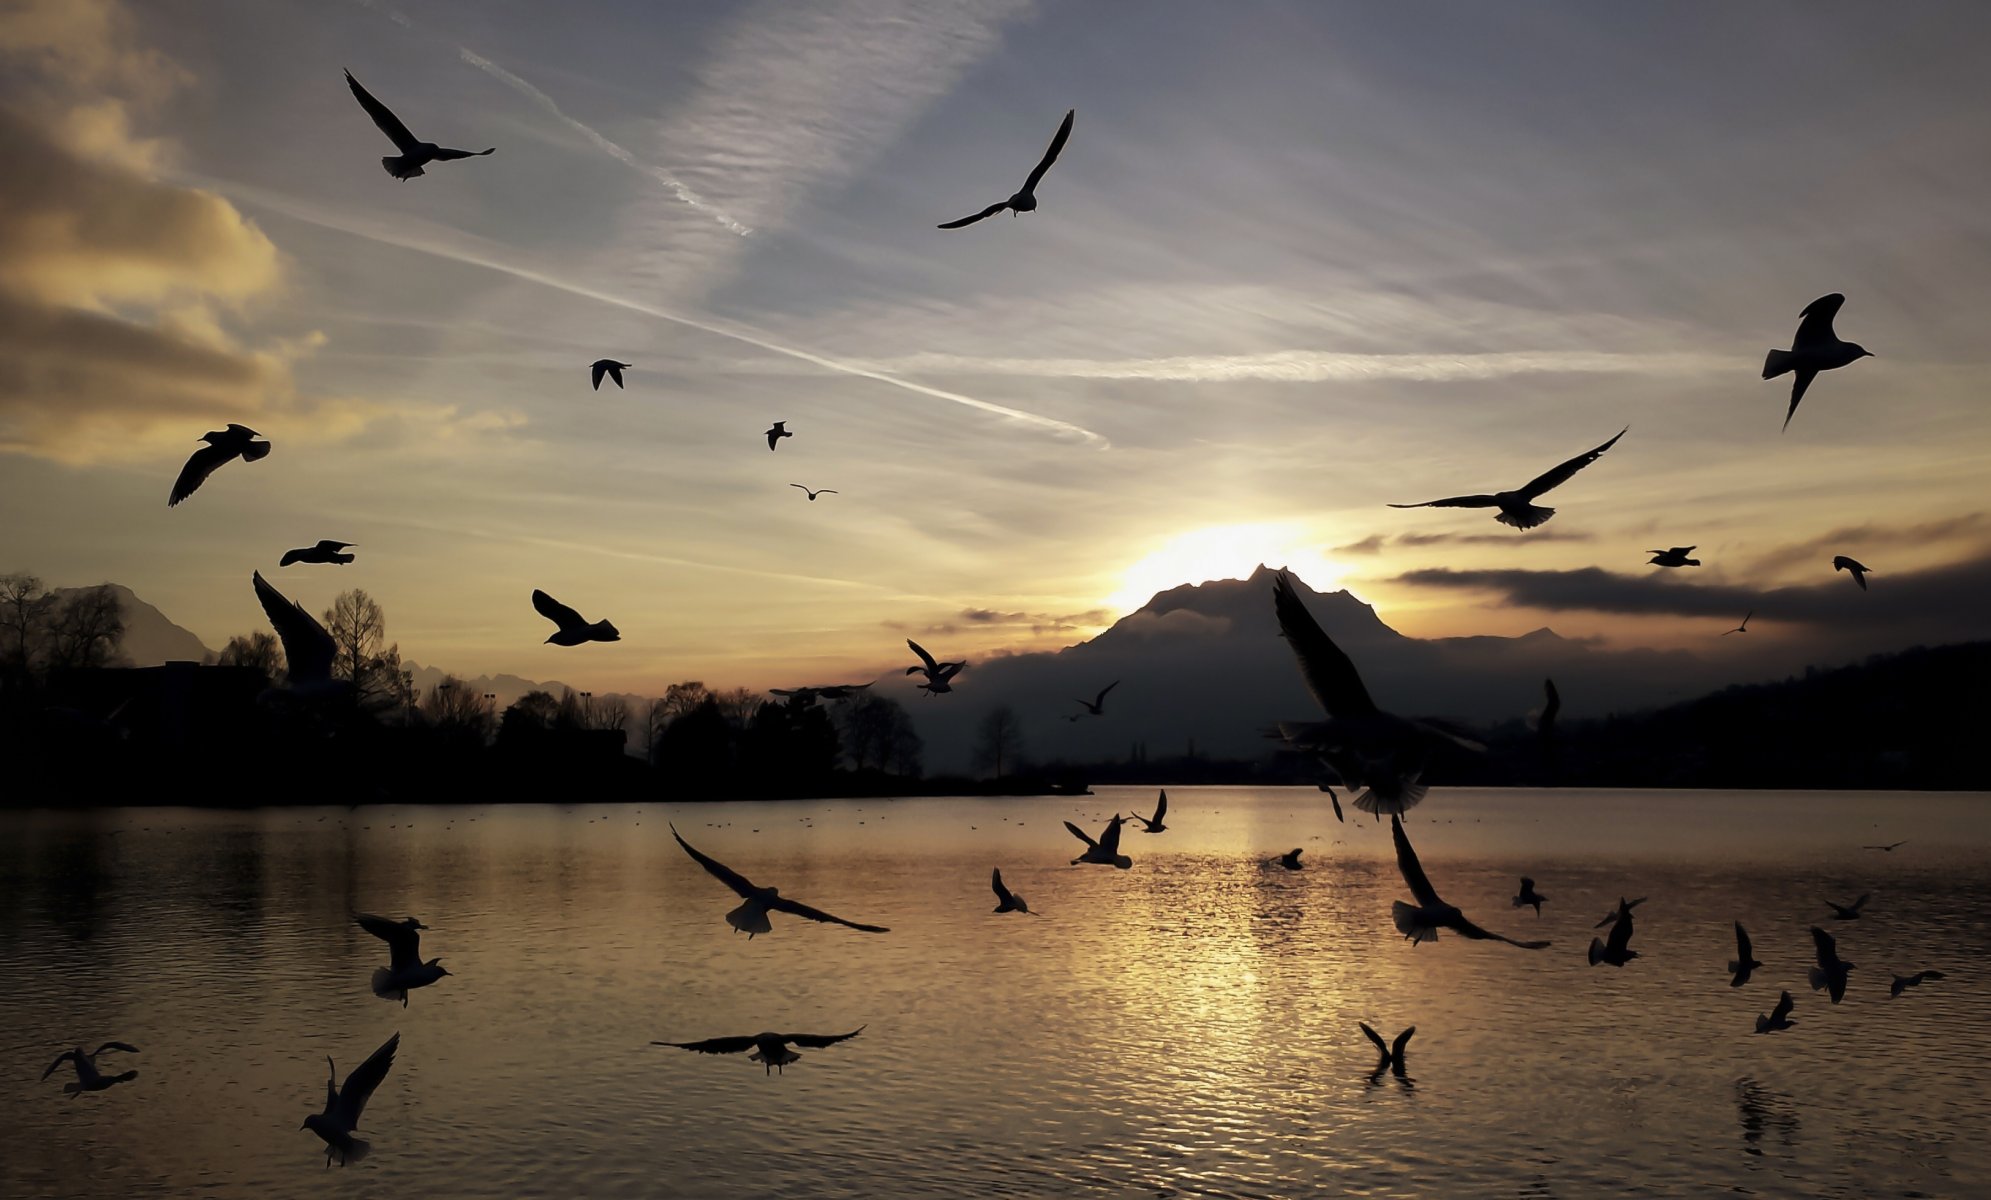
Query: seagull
(1392,1052)
(775,434)
(1421,922)
(344,1102)
(1903,982)
(1889,848)
(325,552)
(574,629)
(1831,969)
(1624,907)
(840,691)
(1025,200)
(817,492)
(405,970)
(414,154)
(1676,557)
(1859,569)
(1815,348)
(1745,958)
(1105,851)
(1291,859)
(1154,824)
(308,649)
(222,446)
(1383,754)
(1528,895)
(1848,912)
(610,368)
(88,1079)
(939,675)
(1551,708)
(1780,1016)
(1618,950)
(750,918)
(1006,900)
(769,1049)
(1097,705)
(1516,507)
(1744,627)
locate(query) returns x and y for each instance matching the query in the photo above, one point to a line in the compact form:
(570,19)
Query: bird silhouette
(1830,973)
(1155,824)
(1528,895)
(308,648)
(1624,906)
(1745,958)
(1025,200)
(1815,348)
(775,433)
(1903,982)
(1859,569)
(1516,507)
(1848,912)
(1744,627)
(325,552)
(344,1103)
(415,153)
(223,445)
(1617,951)
(405,970)
(89,1079)
(574,629)
(1675,557)
(1006,900)
(939,675)
(750,918)
(1890,848)
(1780,1016)
(1392,1052)
(1097,705)
(1551,709)
(1106,851)
(610,368)
(769,1049)
(1421,922)
(817,492)
(1291,859)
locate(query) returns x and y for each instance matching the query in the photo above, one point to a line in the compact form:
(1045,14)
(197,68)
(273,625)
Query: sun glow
(1225,552)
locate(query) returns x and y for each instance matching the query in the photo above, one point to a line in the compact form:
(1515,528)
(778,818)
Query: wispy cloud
(1306,366)
(1969,526)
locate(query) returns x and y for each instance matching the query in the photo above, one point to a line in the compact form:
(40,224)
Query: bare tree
(680,699)
(456,706)
(360,652)
(24,612)
(260,650)
(875,729)
(86,629)
(738,705)
(998,740)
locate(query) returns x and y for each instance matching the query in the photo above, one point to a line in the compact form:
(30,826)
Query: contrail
(614,151)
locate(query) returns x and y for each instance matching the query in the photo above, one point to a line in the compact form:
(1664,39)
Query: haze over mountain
(150,637)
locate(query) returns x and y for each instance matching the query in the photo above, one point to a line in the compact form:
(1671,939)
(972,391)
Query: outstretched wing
(1413,871)
(1101,698)
(554,611)
(404,942)
(358,1087)
(995,881)
(1467,929)
(720,1045)
(924,657)
(1109,838)
(444,154)
(1744,952)
(1783,1008)
(1330,674)
(1051,155)
(308,649)
(1561,474)
(1799,382)
(200,464)
(1620,938)
(1402,1040)
(990,211)
(720,871)
(389,124)
(1826,945)
(1081,834)
(817,1041)
(65,1056)
(1374,1037)
(1161,807)
(1816,327)
(127,1047)
(800,909)
(331,546)
(597,371)
(1455,502)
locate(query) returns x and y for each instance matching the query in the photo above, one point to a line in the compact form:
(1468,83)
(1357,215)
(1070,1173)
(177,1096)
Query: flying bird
(1889,848)
(769,1049)
(1745,958)
(1903,982)
(415,154)
(1516,507)
(1380,753)
(750,918)
(817,492)
(1859,569)
(1006,900)
(1617,951)
(1025,200)
(308,648)
(405,970)
(574,628)
(222,446)
(939,675)
(1097,705)
(1831,969)
(325,552)
(1528,895)
(610,368)
(344,1103)
(1291,859)
(1154,824)
(89,1079)
(1848,912)
(1624,908)
(1105,851)
(1551,708)
(1815,348)
(1421,922)
(1392,1052)
(774,434)
(1675,557)
(1780,1016)
(1744,627)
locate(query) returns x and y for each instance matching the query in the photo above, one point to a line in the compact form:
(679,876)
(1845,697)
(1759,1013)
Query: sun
(1225,552)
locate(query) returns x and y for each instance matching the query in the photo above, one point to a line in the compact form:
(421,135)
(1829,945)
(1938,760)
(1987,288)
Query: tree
(680,699)
(86,630)
(998,740)
(24,611)
(260,650)
(877,731)
(359,632)
(738,705)
(455,707)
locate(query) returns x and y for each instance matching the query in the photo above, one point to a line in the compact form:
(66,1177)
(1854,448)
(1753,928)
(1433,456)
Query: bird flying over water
(750,918)
(1516,507)
(769,1049)
(939,675)
(405,970)
(775,433)
(574,629)
(1815,348)
(1422,921)
(1744,627)
(1745,958)
(610,368)
(1903,982)
(1780,1016)
(325,552)
(1675,557)
(1848,912)
(1528,895)
(308,648)
(1291,859)
(89,1079)
(344,1103)
(1097,705)
(1617,951)
(1106,851)
(1392,1052)
(223,445)
(1859,569)
(817,492)
(415,153)
(1154,824)
(1026,200)
(1889,848)
(1831,969)
(1006,900)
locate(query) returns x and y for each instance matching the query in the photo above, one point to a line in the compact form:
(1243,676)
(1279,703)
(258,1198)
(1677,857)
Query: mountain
(508,688)
(149,637)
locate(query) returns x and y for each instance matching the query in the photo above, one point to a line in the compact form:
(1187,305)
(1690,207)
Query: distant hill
(150,639)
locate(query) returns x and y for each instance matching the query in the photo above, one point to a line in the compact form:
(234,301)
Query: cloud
(1039,623)
(1852,538)
(1306,366)
(1376,542)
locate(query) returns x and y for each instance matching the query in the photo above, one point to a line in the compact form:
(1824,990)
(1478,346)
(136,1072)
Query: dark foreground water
(1186,1028)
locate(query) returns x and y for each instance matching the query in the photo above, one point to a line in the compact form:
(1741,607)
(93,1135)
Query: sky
(1297,261)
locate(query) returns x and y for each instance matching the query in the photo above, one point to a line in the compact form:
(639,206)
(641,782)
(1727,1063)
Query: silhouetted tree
(680,699)
(878,732)
(998,740)
(738,705)
(85,629)
(695,752)
(260,650)
(359,637)
(455,707)
(24,610)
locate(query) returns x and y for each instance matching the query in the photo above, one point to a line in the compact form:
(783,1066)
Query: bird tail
(1409,925)
(1778,363)
(1397,799)
(1527,518)
(1818,980)
(401,166)
(383,985)
(1596,951)
(255,451)
(342,558)
(356,1149)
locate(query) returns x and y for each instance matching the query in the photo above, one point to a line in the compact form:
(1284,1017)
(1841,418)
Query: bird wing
(200,464)
(1330,674)
(1783,1008)
(816,914)
(1744,952)
(1681,550)
(1109,838)
(127,1047)
(331,546)
(1827,947)
(1816,327)
(1620,938)
(1413,871)
(308,649)
(1561,474)
(797,485)
(773,436)
(1402,1040)
(827,492)
(1161,807)
(995,881)
(443,153)
(389,124)
(720,871)
(1553,705)
(65,1056)
(1374,1037)
(923,655)
(358,1087)
(718,1045)
(1081,834)
(990,211)
(1799,382)
(1861,903)
(1101,698)
(1481,501)
(404,943)
(597,371)
(1051,155)
(1467,929)
(554,611)
(817,1041)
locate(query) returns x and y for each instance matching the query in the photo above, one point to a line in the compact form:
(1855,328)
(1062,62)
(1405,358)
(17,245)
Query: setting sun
(1225,552)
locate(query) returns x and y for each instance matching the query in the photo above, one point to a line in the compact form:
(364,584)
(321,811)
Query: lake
(1183,1028)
